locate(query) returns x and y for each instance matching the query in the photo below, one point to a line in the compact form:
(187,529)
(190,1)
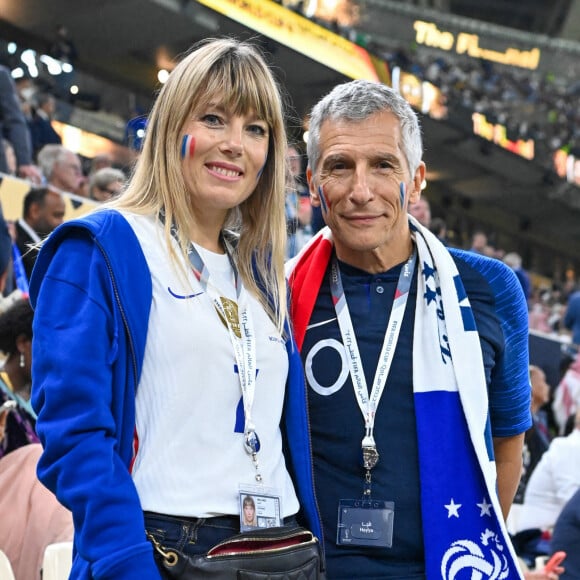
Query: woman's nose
(233,139)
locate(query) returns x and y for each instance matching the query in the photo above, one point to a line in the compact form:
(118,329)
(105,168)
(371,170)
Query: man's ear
(418,178)
(33,212)
(314,195)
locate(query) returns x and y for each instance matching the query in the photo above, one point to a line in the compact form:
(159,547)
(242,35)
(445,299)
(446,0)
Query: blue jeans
(191,536)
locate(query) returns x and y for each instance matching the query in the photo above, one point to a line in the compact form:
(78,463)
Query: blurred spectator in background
(10,158)
(100,161)
(421,211)
(479,242)
(566,537)
(572,317)
(61,167)
(32,518)
(538,316)
(43,210)
(537,438)
(15,345)
(7,292)
(106,183)
(298,208)
(25,89)
(567,395)
(514,261)
(14,128)
(41,130)
(553,482)
(438,227)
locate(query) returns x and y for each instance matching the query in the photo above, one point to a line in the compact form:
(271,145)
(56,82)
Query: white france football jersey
(189,416)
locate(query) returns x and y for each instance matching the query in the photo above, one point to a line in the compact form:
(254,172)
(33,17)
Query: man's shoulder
(479,262)
(478,269)
(107,229)
(102,224)
(23,238)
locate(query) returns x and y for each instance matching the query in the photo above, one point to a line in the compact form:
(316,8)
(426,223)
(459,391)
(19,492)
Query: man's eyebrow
(334,158)
(388,157)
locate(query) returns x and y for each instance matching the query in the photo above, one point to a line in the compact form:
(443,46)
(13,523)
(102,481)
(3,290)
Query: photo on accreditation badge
(259,511)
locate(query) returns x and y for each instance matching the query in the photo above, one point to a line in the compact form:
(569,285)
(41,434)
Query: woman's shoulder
(102,237)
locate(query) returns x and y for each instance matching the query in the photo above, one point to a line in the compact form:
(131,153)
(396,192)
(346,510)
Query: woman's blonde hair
(236,73)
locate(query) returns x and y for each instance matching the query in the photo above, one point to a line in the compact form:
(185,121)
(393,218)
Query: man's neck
(377,260)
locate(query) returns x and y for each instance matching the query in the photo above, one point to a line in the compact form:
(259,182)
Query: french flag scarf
(465,536)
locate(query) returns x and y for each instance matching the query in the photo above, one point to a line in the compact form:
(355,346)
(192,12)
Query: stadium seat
(57,561)
(5,567)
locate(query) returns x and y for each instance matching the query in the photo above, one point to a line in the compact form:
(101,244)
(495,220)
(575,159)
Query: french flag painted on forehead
(187,146)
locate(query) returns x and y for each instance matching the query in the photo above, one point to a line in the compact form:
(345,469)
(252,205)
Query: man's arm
(508,460)
(15,127)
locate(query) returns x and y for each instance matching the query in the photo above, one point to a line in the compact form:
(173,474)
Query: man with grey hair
(61,168)
(416,360)
(106,183)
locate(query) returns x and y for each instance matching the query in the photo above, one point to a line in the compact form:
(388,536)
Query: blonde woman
(161,358)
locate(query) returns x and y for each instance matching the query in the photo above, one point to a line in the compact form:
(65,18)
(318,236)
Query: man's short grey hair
(49,156)
(355,101)
(105,176)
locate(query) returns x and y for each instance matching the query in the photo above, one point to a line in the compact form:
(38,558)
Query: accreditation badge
(259,508)
(365,522)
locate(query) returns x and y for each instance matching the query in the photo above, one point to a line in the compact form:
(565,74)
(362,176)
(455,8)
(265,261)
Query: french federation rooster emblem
(466,560)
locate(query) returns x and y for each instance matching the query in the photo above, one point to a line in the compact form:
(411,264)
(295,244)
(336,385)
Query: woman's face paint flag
(402,194)
(187,146)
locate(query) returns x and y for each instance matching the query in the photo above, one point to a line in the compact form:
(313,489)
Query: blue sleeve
(75,347)
(501,316)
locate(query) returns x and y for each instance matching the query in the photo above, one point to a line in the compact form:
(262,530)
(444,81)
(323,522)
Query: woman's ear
(24,344)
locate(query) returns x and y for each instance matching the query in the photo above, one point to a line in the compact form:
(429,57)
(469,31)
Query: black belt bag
(284,553)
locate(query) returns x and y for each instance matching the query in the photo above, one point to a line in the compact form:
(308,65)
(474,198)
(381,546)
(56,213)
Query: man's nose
(361,192)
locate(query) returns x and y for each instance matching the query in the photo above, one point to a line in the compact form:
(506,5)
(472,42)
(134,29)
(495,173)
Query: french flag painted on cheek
(323,200)
(402,191)
(187,146)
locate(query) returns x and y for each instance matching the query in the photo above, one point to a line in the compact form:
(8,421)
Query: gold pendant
(230,309)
